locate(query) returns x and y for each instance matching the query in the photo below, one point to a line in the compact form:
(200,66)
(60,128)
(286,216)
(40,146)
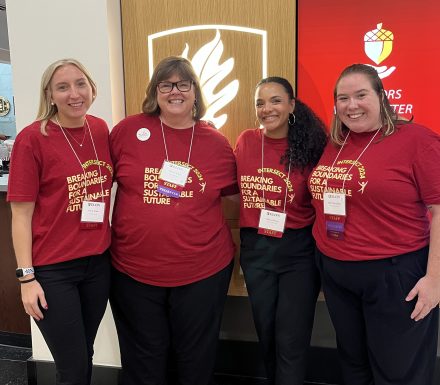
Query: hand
(427,289)
(31,294)
(383,71)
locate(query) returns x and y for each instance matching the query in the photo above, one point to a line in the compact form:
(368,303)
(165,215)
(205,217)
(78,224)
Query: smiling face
(72,94)
(272,107)
(357,104)
(176,105)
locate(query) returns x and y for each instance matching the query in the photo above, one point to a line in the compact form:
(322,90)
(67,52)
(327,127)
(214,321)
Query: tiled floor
(13,369)
(13,365)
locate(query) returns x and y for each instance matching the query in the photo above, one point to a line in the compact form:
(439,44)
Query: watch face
(19,273)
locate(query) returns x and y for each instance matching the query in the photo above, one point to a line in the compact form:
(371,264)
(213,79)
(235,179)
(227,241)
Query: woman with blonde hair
(59,189)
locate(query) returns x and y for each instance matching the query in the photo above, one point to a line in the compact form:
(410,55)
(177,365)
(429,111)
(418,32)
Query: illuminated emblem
(378,45)
(5,106)
(206,63)
(214,69)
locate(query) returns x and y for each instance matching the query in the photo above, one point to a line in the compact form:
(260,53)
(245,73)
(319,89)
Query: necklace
(78,159)
(71,135)
(165,143)
(262,174)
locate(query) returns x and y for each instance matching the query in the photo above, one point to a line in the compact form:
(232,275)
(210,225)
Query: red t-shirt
(167,241)
(252,183)
(387,192)
(45,170)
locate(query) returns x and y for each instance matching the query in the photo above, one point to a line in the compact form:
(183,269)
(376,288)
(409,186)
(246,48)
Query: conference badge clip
(335,215)
(172,179)
(271,223)
(92,215)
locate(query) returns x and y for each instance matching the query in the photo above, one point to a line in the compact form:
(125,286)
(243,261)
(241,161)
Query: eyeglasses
(167,87)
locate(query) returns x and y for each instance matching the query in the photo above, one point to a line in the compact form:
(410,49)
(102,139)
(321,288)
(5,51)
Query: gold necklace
(71,135)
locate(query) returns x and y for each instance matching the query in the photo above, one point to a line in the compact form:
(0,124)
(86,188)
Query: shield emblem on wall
(229,61)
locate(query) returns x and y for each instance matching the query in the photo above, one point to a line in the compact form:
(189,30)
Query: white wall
(42,31)
(4,45)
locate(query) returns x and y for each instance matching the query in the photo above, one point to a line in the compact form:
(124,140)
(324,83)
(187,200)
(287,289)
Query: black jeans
(283,284)
(163,327)
(76,292)
(378,342)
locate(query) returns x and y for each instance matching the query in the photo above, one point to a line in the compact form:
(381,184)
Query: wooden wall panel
(141,18)
(13,318)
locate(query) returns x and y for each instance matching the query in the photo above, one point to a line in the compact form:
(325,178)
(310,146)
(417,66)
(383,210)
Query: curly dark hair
(307,135)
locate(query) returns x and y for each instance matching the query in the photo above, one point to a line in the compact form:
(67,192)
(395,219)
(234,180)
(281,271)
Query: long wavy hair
(45,109)
(307,134)
(173,65)
(388,117)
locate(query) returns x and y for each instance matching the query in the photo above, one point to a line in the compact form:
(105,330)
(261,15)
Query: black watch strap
(27,280)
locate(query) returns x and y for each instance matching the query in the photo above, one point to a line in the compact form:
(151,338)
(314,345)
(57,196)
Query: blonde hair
(388,117)
(46,110)
(173,65)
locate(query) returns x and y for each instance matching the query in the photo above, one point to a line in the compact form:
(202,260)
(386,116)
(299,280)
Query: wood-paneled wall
(13,319)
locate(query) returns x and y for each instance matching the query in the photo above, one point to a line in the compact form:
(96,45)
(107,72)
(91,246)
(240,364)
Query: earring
(334,110)
(52,103)
(294,119)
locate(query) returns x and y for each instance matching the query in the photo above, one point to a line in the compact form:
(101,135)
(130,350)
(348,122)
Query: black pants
(283,284)
(154,323)
(378,342)
(76,292)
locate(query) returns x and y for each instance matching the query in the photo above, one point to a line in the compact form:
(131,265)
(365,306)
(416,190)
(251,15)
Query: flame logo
(206,63)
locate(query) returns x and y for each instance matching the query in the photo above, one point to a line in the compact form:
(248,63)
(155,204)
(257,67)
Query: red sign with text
(400,38)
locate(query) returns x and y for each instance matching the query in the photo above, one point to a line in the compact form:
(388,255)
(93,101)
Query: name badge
(172,179)
(271,223)
(334,203)
(335,214)
(92,214)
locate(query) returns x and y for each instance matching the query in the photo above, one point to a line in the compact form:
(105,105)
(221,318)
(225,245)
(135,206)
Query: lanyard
(165,143)
(262,174)
(355,162)
(79,161)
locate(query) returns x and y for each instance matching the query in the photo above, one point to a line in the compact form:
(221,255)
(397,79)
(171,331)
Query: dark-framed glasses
(182,86)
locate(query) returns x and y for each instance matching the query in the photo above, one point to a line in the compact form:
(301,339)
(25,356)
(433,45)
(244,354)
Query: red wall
(331,36)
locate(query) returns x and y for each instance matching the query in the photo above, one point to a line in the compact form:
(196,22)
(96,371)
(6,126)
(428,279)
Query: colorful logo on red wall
(378,45)
(396,37)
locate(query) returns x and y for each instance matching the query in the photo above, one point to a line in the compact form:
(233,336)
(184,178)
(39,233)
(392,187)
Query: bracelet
(27,280)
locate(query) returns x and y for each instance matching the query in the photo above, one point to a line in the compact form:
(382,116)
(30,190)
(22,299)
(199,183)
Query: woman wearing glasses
(171,250)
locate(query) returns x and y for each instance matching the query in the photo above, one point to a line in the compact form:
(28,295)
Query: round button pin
(143,134)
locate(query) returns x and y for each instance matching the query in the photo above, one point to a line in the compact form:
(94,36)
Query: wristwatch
(23,271)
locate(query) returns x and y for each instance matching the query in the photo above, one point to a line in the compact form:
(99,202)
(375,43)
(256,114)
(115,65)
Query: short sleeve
(426,168)
(24,173)
(115,143)
(229,170)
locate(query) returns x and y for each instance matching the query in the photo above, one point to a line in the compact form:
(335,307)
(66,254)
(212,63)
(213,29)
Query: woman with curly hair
(276,216)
